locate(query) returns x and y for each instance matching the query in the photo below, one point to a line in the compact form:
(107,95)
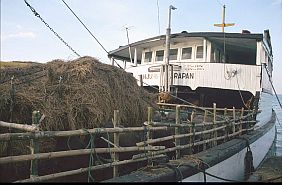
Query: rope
(51,29)
(177,171)
(91,157)
(249,167)
(89,31)
(269,78)
(203,109)
(206,173)
(241,93)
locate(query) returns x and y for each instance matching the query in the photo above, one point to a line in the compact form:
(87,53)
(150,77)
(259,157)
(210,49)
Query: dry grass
(85,97)
(15,64)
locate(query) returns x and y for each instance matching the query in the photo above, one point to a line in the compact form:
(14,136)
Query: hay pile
(82,93)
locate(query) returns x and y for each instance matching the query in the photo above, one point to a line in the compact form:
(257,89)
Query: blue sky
(25,38)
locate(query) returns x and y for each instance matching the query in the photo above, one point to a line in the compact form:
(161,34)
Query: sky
(25,38)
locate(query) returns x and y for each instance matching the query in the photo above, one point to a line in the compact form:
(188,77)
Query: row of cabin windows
(173,54)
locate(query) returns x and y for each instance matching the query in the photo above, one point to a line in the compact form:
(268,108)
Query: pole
(129,49)
(167,44)
(223,18)
(34,146)
(116,142)
(177,130)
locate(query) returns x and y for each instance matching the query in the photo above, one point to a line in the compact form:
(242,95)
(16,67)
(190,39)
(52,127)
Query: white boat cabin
(204,67)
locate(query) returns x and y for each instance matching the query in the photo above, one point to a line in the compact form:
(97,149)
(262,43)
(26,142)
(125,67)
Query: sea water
(278,110)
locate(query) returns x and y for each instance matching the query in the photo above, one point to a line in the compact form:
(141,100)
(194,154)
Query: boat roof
(247,40)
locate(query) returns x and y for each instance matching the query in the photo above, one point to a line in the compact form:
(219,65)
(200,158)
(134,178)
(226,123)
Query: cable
(85,27)
(240,91)
(55,33)
(177,171)
(269,78)
(203,109)
(203,171)
(89,31)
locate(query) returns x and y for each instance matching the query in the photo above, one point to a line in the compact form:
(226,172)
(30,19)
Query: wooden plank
(151,141)
(59,154)
(83,170)
(23,127)
(48,134)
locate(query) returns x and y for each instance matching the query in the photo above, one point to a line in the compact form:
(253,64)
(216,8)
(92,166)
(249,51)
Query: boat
(205,70)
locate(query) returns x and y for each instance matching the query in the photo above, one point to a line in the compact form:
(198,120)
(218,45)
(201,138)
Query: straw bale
(81,93)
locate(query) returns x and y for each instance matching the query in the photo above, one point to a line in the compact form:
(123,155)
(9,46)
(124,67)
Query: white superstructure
(204,65)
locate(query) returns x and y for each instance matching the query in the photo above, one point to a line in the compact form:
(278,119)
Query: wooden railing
(221,128)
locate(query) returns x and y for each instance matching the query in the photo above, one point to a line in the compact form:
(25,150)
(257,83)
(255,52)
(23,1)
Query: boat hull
(233,167)
(225,160)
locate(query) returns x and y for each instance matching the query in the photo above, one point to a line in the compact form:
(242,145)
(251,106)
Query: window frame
(174,55)
(190,53)
(196,56)
(156,56)
(144,60)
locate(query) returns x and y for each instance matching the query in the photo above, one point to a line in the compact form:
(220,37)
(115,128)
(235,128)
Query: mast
(167,44)
(223,24)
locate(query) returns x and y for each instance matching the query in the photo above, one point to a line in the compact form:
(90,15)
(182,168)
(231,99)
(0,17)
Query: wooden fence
(221,128)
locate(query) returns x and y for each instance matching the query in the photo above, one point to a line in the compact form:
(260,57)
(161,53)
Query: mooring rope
(91,157)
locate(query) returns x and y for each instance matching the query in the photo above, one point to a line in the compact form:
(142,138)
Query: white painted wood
(205,50)
(135,57)
(213,75)
(259,51)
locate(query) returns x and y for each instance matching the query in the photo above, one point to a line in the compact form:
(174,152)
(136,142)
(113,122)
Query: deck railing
(215,128)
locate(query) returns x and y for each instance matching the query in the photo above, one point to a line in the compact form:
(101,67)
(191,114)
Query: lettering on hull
(183,75)
(150,76)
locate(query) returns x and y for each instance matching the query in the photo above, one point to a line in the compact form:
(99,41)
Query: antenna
(223,24)
(129,49)
(158,17)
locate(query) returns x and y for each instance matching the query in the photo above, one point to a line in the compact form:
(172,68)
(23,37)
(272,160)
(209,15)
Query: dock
(269,171)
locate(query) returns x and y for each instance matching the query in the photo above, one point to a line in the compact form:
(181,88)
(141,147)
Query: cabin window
(148,56)
(200,52)
(186,53)
(173,54)
(160,55)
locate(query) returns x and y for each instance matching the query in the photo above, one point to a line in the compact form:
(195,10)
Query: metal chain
(46,24)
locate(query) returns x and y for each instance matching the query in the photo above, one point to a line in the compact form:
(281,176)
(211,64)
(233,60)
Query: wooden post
(141,80)
(204,128)
(116,142)
(149,133)
(240,126)
(150,117)
(177,129)
(234,117)
(34,146)
(226,128)
(214,124)
(190,131)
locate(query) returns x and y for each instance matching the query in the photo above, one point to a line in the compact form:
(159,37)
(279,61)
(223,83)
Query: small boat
(206,70)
